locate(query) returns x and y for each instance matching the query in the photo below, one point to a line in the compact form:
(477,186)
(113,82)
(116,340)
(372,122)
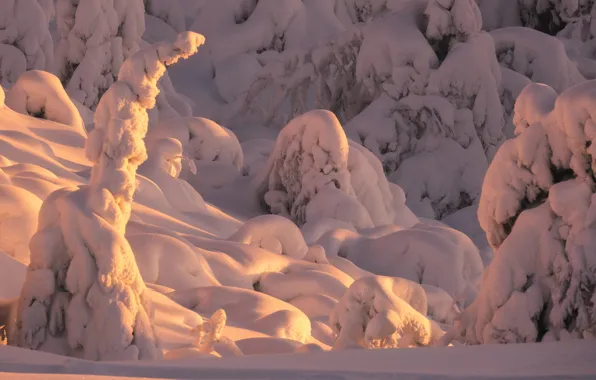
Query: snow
(40,94)
(537,211)
(536,55)
(25,40)
(83,294)
(324,177)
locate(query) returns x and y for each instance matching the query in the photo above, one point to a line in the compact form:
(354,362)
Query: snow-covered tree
(313,173)
(310,156)
(25,40)
(83,294)
(537,208)
(95,39)
(437,102)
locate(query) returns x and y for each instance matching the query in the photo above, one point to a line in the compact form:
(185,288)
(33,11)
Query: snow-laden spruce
(438,103)
(313,173)
(25,40)
(95,39)
(83,294)
(538,211)
(362,60)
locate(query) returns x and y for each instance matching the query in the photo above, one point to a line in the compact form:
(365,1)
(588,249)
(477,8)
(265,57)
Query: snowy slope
(571,360)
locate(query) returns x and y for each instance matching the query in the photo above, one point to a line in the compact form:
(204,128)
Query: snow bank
(40,94)
(273,233)
(421,254)
(253,310)
(211,148)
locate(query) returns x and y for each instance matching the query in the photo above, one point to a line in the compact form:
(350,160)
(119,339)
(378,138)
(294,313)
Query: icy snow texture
(84,294)
(25,40)
(95,39)
(537,210)
(40,94)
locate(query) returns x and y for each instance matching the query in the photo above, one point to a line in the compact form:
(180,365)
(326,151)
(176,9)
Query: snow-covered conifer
(25,40)
(83,294)
(537,208)
(310,163)
(95,39)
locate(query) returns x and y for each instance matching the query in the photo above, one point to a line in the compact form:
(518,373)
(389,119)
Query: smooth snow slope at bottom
(561,360)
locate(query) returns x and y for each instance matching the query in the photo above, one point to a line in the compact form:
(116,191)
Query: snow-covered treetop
(95,38)
(121,118)
(25,40)
(554,143)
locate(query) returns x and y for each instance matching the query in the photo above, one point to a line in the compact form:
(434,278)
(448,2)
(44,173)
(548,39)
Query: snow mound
(273,233)
(383,312)
(40,94)
(420,254)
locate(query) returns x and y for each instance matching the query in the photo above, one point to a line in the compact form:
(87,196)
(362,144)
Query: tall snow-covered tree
(83,293)
(95,39)
(538,210)
(25,40)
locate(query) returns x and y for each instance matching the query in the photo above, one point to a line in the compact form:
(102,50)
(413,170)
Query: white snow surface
(325,175)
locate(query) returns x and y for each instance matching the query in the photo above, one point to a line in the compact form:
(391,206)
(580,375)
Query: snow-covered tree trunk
(96,36)
(25,40)
(83,294)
